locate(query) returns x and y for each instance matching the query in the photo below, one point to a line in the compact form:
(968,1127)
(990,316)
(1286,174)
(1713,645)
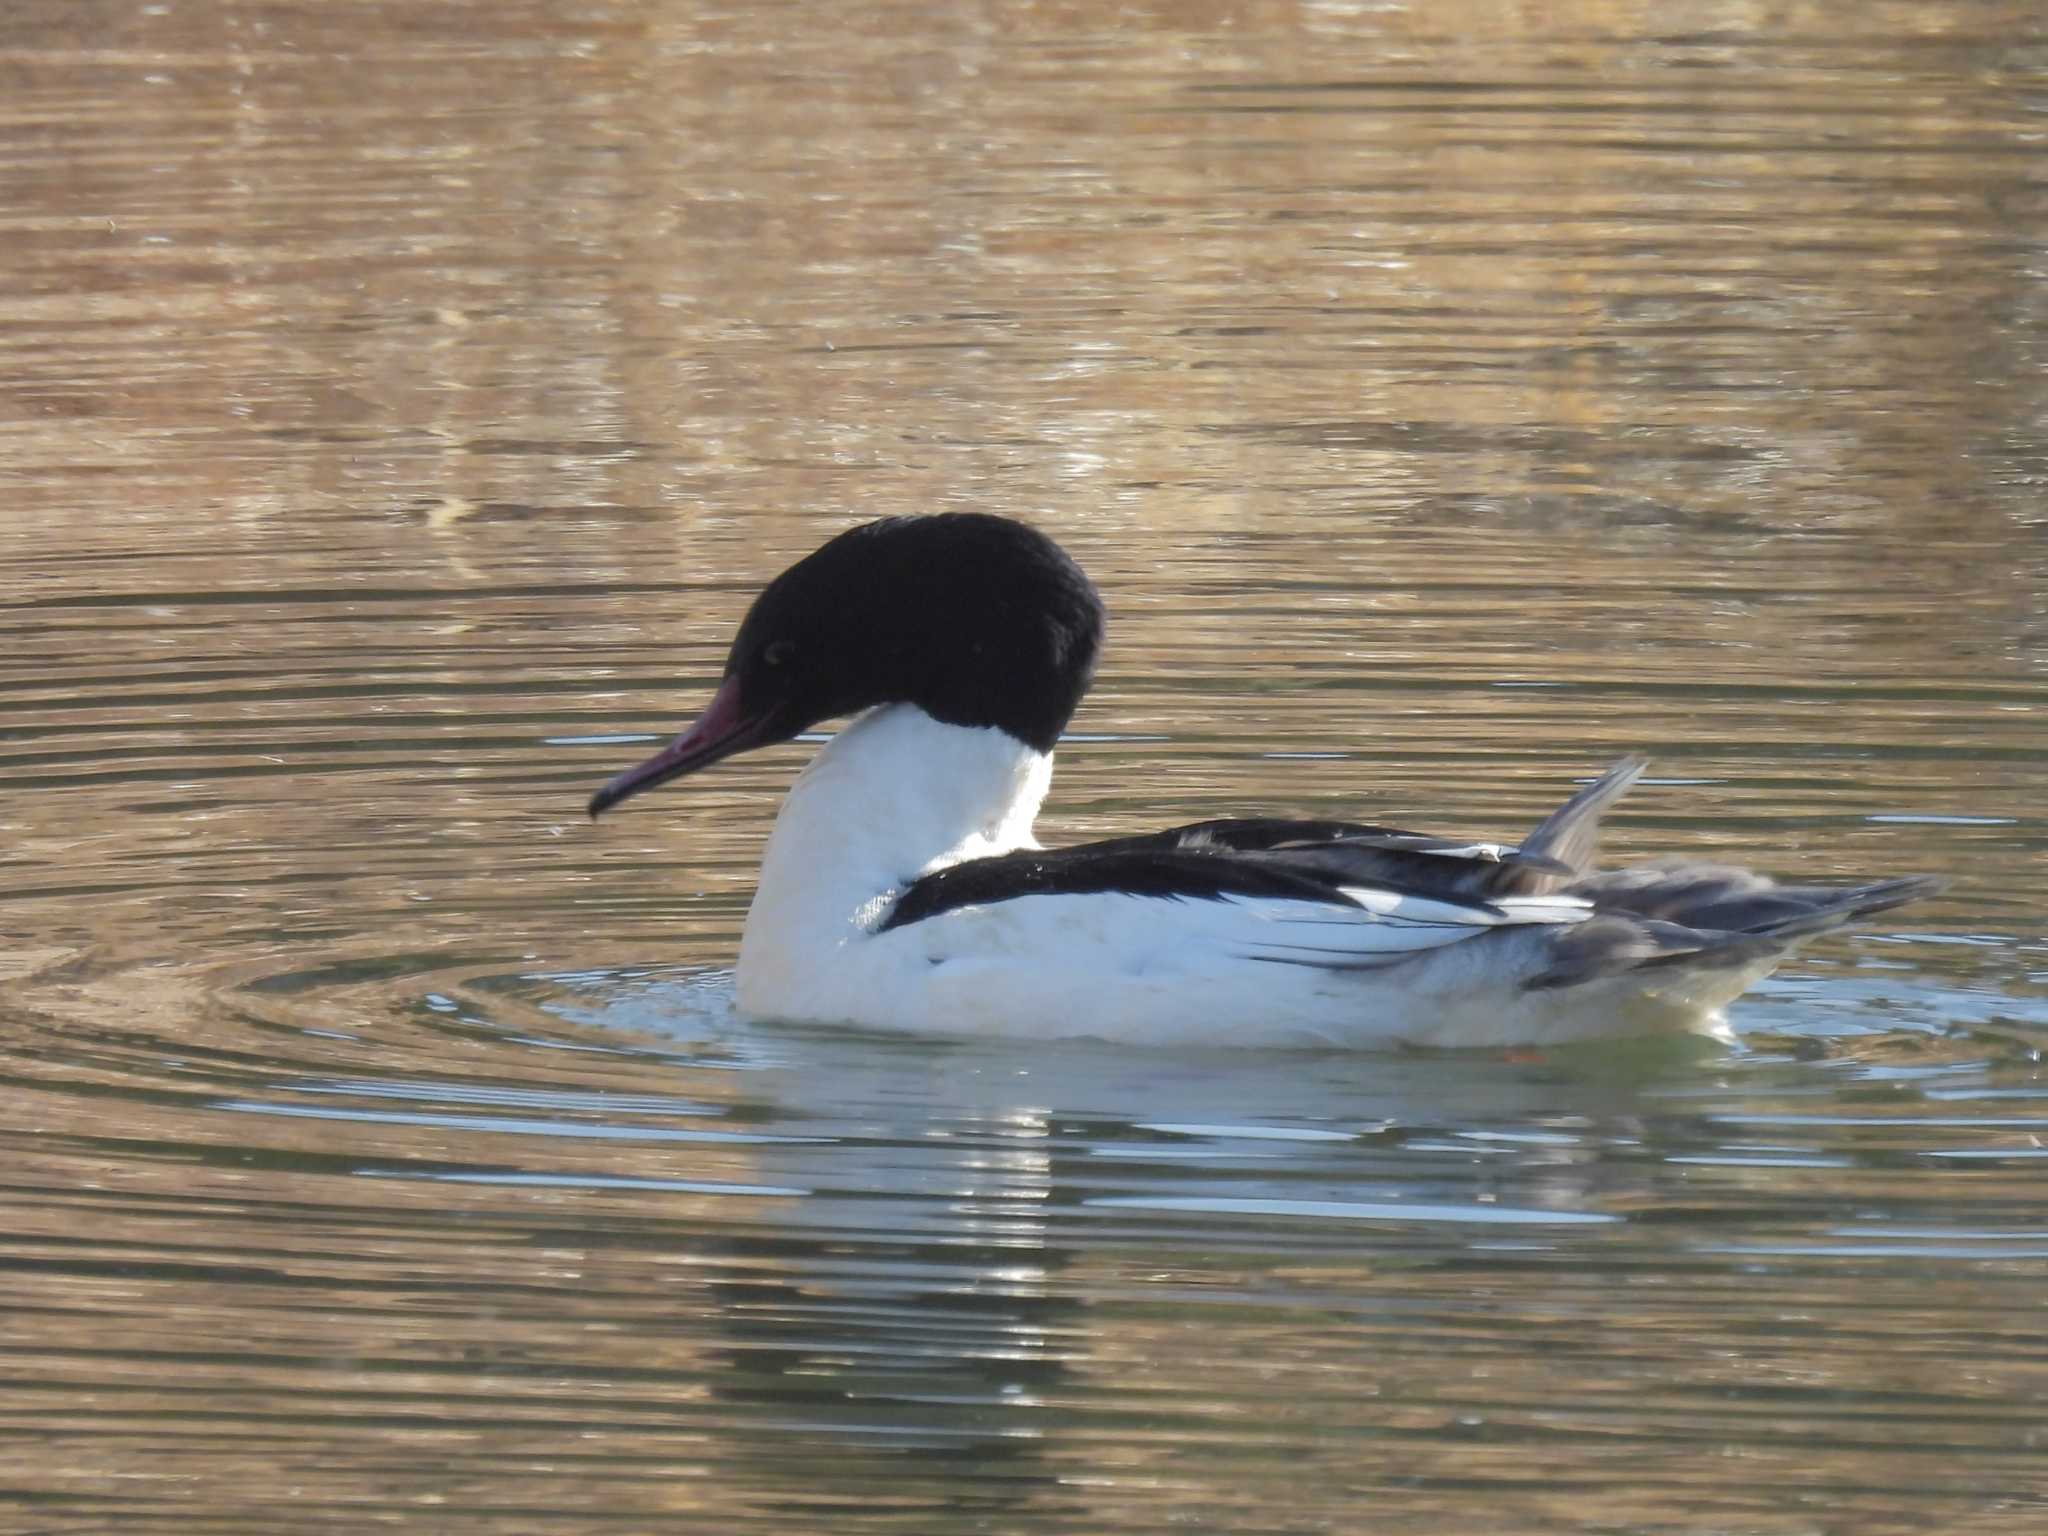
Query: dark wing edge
(1160,868)
(1267,856)
(1347,853)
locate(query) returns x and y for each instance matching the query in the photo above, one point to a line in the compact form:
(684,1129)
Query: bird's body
(903,887)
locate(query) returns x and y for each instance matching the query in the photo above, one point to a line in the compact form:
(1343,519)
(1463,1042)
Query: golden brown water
(398,406)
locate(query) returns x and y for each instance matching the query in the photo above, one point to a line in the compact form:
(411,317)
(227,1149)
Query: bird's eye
(778,653)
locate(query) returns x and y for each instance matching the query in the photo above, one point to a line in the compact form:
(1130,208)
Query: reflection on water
(402,405)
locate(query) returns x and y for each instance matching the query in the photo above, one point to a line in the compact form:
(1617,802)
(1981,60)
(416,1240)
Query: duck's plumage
(903,888)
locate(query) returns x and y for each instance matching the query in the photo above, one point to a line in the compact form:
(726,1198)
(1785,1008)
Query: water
(400,406)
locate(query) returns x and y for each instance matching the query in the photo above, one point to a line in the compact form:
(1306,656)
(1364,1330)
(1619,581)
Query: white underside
(897,795)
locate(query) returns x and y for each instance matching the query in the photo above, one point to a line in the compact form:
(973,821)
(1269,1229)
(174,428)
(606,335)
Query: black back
(1254,856)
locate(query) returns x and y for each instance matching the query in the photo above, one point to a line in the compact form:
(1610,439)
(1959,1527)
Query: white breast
(895,795)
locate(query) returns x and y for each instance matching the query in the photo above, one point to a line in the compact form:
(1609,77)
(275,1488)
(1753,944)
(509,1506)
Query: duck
(902,888)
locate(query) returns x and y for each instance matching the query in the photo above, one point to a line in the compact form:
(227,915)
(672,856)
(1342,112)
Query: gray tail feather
(1840,907)
(1571,833)
(1707,917)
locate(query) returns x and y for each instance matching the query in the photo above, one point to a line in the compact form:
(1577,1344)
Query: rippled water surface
(399,405)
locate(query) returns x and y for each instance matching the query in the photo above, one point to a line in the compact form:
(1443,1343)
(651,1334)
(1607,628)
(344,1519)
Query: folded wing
(1346,896)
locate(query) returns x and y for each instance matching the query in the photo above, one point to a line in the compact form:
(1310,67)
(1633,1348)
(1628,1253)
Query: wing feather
(1378,925)
(1336,894)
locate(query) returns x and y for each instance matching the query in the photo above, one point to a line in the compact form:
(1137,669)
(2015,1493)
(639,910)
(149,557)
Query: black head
(977,620)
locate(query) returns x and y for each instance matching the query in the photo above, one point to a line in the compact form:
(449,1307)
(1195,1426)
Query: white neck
(893,796)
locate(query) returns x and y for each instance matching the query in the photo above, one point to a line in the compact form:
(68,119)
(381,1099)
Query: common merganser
(902,888)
